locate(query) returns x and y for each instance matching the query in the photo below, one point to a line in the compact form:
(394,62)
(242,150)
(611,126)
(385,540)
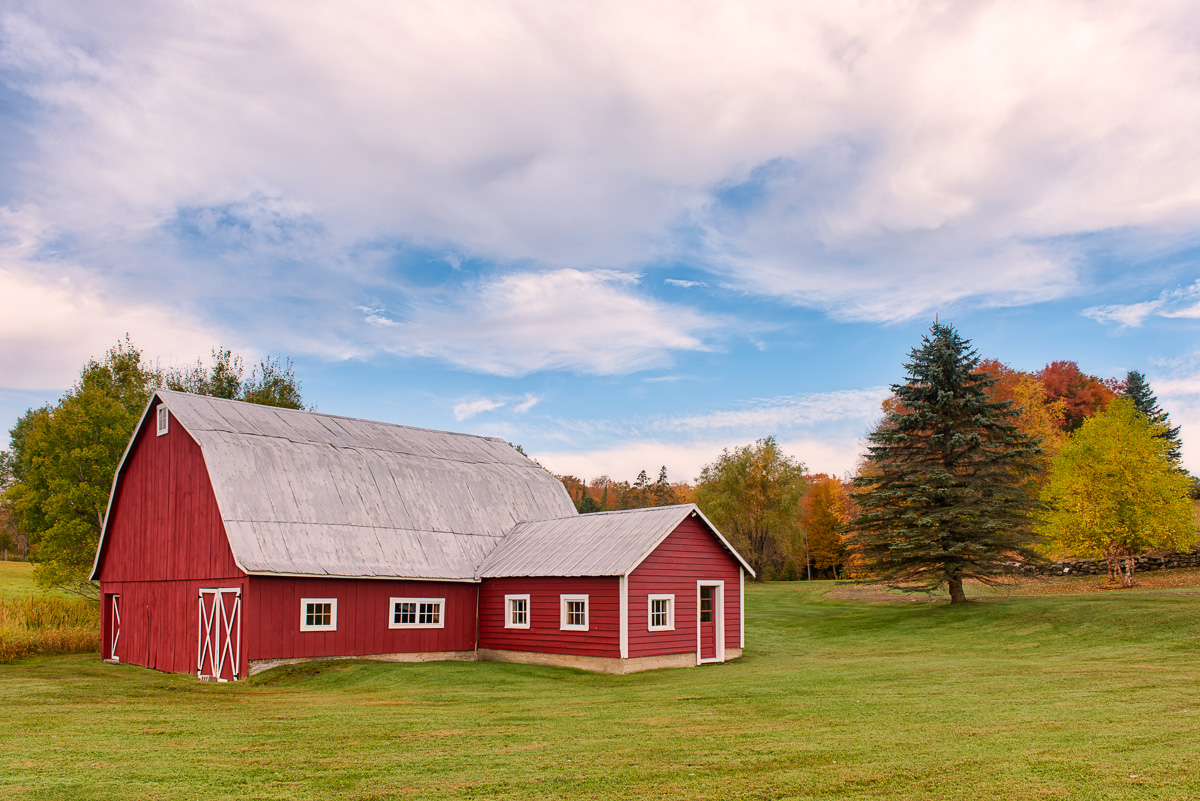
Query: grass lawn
(16,580)
(1022,697)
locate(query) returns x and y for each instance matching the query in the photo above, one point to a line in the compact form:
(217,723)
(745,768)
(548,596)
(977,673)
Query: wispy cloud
(528,403)
(825,430)
(468,409)
(584,322)
(683,283)
(1183,302)
(923,160)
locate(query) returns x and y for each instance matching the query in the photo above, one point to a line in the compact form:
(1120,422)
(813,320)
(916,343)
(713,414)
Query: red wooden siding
(689,554)
(160,623)
(165,521)
(165,541)
(603,637)
(271,620)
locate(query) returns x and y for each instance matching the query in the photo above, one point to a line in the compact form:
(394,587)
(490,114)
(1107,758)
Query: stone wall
(1099,567)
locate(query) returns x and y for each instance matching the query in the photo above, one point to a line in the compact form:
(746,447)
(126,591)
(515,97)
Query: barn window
(516,611)
(662,612)
(574,613)
(163,417)
(417,613)
(318,614)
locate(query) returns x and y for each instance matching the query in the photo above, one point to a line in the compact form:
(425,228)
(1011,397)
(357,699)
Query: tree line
(975,467)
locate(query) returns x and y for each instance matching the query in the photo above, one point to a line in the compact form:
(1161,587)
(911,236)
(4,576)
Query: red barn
(239,537)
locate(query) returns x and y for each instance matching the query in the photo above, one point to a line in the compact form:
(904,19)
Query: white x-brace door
(114,629)
(219,642)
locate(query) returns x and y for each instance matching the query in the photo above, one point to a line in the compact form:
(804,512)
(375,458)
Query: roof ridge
(211,398)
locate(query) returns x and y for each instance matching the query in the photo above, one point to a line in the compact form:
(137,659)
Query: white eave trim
(278,574)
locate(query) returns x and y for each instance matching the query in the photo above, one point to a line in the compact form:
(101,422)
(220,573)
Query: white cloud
(530,400)
(1175,303)
(823,430)
(468,409)
(779,414)
(587,322)
(873,160)
(52,323)
(682,283)
(685,461)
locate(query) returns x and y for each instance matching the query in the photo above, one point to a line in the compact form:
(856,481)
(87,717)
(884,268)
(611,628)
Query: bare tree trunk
(957,595)
(1127,575)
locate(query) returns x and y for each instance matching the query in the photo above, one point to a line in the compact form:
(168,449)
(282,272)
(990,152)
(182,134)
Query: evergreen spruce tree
(945,494)
(1137,389)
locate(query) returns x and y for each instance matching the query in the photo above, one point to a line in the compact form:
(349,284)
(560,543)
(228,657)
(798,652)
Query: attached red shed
(239,537)
(648,588)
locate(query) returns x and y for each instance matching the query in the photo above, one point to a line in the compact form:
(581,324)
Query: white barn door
(114,626)
(219,644)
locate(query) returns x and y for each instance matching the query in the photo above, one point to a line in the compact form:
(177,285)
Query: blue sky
(621,235)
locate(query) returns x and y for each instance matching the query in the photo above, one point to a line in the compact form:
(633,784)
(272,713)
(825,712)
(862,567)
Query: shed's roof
(599,544)
(303,493)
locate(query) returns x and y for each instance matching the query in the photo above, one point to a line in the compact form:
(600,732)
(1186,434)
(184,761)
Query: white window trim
(441,602)
(163,417)
(562,613)
(304,602)
(670,599)
(508,610)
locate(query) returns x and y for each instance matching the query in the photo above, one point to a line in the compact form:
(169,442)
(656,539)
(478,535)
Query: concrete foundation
(259,665)
(598,664)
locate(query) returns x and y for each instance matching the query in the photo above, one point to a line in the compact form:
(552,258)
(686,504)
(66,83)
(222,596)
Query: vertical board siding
(165,522)
(160,623)
(165,541)
(689,554)
(272,618)
(543,635)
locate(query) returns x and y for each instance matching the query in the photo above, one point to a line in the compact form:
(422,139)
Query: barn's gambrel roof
(308,494)
(598,544)
(303,493)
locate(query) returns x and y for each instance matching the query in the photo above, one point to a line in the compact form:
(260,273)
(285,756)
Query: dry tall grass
(47,625)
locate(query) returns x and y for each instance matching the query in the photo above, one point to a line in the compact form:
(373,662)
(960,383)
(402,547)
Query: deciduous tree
(945,498)
(1115,494)
(1082,395)
(66,457)
(272,382)
(823,513)
(752,494)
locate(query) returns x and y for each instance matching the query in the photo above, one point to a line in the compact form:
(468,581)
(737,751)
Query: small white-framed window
(574,616)
(163,417)
(417,613)
(516,611)
(318,614)
(661,612)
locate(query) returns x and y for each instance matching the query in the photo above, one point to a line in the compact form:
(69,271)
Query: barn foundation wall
(259,665)
(598,664)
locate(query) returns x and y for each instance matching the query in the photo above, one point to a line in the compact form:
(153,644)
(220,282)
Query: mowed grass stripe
(1066,696)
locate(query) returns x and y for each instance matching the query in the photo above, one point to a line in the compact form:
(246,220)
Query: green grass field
(1090,696)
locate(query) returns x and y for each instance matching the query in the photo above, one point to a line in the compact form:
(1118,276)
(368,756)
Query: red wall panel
(165,541)
(272,617)
(165,522)
(689,554)
(603,637)
(160,623)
